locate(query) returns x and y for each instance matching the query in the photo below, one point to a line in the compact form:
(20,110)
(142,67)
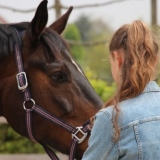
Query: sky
(114,15)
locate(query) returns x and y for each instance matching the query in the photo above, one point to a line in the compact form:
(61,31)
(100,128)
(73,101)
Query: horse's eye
(59,77)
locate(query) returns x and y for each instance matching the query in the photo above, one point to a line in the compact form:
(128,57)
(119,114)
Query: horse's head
(56,82)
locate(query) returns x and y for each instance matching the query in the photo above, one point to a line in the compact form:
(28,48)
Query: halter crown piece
(23,86)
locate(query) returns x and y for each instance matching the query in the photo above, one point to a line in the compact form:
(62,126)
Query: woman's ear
(118,57)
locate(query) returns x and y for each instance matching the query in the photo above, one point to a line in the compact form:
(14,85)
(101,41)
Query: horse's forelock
(55,45)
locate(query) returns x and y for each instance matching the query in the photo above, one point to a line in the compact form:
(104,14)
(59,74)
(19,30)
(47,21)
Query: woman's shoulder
(104,117)
(106,112)
(144,105)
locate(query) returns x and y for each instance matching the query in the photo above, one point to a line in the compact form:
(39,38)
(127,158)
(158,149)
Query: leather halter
(23,86)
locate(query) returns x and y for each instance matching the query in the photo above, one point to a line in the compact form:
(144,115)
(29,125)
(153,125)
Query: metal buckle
(26,84)
(80,140)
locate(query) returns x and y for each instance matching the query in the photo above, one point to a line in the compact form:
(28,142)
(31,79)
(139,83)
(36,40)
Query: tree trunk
(154,12)
(58,8)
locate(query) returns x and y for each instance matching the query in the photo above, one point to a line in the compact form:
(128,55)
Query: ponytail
(140,57)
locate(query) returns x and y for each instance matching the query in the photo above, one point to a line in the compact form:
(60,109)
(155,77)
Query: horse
(54,80)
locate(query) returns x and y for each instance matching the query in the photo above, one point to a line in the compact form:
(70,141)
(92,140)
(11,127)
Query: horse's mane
(10,35)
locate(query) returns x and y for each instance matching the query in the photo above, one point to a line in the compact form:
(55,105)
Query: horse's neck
(1,111)
(81,148)
(7,70)
(1,114)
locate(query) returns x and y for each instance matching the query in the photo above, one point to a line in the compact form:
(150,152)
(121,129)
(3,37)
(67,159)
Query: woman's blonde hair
(140,56)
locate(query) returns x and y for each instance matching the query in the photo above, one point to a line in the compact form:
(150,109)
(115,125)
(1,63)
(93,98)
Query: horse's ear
(40,19)
(60,24)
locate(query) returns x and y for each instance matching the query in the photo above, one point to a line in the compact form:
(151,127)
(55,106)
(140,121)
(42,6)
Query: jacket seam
(148,91)
(144,120)
(112,142)
(139,145)
(118,148)
(108,151)
(107,114)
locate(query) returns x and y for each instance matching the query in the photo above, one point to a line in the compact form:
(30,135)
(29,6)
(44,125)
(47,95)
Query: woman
(128,128)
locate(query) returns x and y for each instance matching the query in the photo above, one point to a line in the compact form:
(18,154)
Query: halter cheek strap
(23,86)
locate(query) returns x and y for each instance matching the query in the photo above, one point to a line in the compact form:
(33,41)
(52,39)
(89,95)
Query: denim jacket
(139,122)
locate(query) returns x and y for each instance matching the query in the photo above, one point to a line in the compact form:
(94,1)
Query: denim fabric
(139,121)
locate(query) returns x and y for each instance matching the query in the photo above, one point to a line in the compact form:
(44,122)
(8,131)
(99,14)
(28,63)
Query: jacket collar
(152,86)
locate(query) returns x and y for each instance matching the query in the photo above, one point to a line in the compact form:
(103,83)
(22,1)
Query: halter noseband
(23,86)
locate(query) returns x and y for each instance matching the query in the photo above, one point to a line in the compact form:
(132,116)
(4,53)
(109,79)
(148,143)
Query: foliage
(84,25)
(72,33)
(96,56)
(98,61)
(157,33)
(104,90)
(12,142)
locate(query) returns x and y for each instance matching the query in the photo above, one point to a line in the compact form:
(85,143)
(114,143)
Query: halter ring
(24,104)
